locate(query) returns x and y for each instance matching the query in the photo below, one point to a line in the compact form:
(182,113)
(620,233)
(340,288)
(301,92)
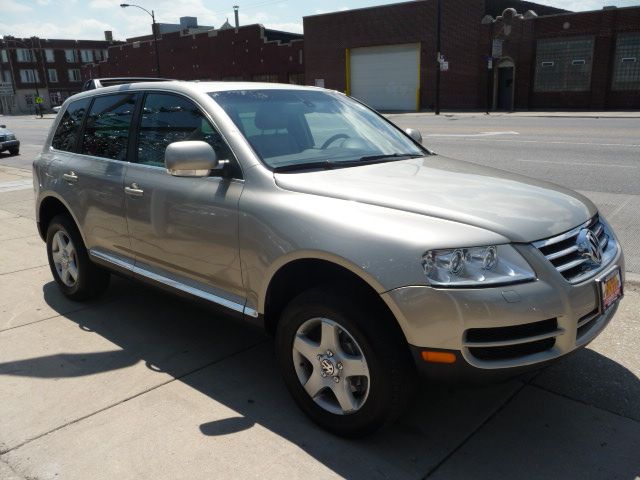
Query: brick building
(49,68)
(503,54)
(249,52)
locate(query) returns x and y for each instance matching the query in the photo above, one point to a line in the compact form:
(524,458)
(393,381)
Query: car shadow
(234,364)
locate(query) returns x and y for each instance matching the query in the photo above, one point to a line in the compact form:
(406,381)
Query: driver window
(170,118)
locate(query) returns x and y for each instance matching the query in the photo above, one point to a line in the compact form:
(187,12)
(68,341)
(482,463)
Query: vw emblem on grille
(589,246)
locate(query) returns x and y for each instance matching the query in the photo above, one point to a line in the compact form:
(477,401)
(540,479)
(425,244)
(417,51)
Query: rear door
(89,159)
(184,231)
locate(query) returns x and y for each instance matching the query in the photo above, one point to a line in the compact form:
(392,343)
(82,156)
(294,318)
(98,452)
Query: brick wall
(214,55)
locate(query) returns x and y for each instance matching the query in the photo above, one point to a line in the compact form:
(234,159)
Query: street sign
(496,47)
(444,66)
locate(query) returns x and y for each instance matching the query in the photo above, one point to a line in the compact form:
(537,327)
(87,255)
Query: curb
(632,279)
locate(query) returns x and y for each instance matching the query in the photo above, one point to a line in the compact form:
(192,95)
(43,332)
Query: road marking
(634,145)
(572,164)
(481,134)
(13,185)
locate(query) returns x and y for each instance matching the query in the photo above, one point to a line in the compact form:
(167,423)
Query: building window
(564,65)
(626,70)
(296,78)
(105,54)
(86,55)
(48,53)
(71,56)
(29,99)
(55,98)
(29,76)
(53,75)
(268,77)
(74,75)
(3,56)
(6,76)
(25,55)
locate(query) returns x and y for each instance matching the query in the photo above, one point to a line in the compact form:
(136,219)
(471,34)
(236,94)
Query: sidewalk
(142,385)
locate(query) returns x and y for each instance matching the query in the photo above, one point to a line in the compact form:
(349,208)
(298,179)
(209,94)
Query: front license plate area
(609,289)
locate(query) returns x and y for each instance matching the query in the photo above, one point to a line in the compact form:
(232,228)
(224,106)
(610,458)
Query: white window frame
(25,55)
(3,56)
(6,76)
(74,75)
(86,56)
(52,78)
(71,55)
(49,56)
(29,75)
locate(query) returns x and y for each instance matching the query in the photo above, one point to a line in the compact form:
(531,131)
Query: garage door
(386,78)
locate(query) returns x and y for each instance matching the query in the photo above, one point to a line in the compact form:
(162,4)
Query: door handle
(70,177)
(134,190)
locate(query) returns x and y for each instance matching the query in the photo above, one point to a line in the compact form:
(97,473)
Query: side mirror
(414,134)
(190,159)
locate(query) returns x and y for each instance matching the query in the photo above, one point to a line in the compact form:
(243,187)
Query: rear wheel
(346,366)
(73,271)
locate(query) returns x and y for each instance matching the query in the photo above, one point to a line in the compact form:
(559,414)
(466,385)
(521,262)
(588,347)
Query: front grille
(586,323)
(507,343)
(562,251)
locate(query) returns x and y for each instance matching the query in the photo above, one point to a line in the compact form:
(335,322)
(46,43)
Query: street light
(153,28)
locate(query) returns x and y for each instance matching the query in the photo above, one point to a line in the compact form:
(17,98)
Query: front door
(183,230)
(505,88)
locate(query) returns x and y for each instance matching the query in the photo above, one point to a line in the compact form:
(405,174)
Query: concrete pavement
(143,385)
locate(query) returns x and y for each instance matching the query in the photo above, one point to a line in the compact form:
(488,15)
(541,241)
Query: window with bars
(268,77)
(564,65)
(626,70)
(296,78)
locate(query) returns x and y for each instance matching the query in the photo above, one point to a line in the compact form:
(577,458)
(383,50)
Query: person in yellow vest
(39,101)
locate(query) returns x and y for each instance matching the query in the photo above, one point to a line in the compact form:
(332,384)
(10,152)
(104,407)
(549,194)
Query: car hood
(517,207)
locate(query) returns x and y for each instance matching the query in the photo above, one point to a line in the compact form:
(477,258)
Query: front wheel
(77,277)
(346,366)
(14,151)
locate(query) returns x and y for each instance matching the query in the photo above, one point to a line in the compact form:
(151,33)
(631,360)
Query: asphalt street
(140,384)
(599,157)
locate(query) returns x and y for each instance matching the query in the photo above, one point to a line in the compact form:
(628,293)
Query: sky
(87,19)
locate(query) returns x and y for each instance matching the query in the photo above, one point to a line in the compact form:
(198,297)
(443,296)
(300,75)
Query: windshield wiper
(372,158)
(329,165)
(324,165)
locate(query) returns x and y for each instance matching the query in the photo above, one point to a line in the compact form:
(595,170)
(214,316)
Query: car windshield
(298,129)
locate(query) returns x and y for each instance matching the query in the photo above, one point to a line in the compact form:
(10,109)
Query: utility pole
(154,28)
(438,55)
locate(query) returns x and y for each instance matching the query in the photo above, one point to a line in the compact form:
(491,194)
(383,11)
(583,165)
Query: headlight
(476,266)
(11,137)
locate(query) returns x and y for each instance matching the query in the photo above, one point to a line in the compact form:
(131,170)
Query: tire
(76,275)
(14,151)
(367,341)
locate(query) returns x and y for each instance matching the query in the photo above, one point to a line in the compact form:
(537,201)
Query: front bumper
(9,145)
(502,331)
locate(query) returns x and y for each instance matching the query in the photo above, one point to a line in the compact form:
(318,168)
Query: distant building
(496,54)
(48,68)
(187,25)
(248,52)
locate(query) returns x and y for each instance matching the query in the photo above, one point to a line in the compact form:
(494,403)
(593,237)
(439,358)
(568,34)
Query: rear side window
(106,133)
(68,131)
(171,118)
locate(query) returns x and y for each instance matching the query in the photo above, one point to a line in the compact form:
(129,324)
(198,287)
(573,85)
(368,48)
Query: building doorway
(504,91)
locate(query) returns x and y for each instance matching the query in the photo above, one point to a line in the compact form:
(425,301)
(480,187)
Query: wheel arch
(294,276)
(50,206)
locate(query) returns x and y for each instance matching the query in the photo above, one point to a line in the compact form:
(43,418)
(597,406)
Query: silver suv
(368,257)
